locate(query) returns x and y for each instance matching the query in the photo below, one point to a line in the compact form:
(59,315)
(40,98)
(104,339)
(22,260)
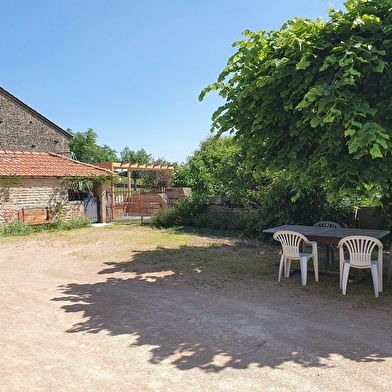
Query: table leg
(390,264)
(326,261)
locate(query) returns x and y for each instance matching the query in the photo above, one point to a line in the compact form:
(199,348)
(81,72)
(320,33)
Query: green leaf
(349,132)
(380,67)
(375,151)
(353,147)
(303,64)
(315,122)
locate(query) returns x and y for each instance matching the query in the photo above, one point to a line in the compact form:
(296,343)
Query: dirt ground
(72,318)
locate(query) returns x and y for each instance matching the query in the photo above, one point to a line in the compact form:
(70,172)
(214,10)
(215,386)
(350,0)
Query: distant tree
(130,156)
(84,146)
(157,179)
(312,101)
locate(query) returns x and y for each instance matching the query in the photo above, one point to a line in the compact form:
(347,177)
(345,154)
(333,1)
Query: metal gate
(91,208)
(138,206)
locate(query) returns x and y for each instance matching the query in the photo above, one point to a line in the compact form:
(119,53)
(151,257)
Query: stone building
(24,129)
(32,184)
(34,165)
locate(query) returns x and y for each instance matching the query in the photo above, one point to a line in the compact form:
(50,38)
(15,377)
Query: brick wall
(23,130)
(17,194)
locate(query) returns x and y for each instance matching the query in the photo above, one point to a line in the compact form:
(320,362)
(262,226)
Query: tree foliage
(217,169)
(84,146)
(131,156)
(312,100)
(157,179)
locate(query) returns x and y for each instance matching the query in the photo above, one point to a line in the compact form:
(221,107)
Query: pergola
(130,167)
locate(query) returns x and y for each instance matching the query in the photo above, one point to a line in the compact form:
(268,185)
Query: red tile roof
(44,164)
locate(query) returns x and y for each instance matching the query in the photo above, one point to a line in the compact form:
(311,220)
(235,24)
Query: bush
(16,228)
(221,220)
(277,208)
(73,223)
(165,217)
(181,214)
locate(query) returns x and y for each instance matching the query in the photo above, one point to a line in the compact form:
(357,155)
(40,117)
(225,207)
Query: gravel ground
(75,323)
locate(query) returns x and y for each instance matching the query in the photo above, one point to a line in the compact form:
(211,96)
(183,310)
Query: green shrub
(165,217)
(16,228)
(221,220)
(277,208)
(69,224)
(181,214)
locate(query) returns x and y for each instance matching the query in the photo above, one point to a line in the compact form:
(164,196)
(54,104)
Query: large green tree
(85,148)
(312,100)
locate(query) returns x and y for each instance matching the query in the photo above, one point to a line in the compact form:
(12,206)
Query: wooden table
(328,235)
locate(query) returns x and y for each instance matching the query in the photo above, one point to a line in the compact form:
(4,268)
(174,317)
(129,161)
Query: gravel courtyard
(81,312)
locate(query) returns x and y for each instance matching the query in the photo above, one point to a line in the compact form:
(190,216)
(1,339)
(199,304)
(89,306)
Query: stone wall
(17,194)
(22,129)
(174,194)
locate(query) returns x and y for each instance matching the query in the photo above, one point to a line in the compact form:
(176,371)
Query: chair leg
(380,278)
(287,266)
(282,261)
(315,267)
(304,269)
(374,269)
(346,270)
(341,269)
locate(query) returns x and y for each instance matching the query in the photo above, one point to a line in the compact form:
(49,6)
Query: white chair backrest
(360,249)
(327,224)
(290,241)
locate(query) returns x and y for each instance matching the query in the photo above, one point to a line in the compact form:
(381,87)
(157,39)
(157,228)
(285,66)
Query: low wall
(174,194)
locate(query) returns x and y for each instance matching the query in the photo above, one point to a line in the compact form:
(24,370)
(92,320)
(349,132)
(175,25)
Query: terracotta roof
(45,164)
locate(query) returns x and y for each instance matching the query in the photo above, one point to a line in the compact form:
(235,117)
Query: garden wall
(174,194)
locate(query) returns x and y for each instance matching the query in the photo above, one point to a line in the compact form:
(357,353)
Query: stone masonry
(34,193)
(23,129)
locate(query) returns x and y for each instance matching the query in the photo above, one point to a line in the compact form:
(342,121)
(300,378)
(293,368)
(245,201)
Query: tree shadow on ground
(194,313)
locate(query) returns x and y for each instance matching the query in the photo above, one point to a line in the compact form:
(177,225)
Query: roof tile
(44,164)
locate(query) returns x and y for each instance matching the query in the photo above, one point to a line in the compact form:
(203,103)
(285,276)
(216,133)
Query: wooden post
(129,185)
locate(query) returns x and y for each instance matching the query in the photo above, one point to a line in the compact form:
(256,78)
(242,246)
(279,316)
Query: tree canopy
(313,100)
(216,168)
(84,146)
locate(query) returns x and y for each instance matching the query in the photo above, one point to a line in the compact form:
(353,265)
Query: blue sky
(132,70)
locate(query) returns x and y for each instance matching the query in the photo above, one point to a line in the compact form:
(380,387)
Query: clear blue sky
(131,70)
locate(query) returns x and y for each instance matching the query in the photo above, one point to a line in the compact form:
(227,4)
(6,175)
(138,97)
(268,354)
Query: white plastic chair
(292,243)
(360,249)
(327,224)
(329,248)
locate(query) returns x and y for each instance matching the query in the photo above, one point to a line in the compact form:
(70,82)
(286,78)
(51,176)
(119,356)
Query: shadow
(190,314)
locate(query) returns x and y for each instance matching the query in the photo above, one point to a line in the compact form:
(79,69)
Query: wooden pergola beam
(113,166)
